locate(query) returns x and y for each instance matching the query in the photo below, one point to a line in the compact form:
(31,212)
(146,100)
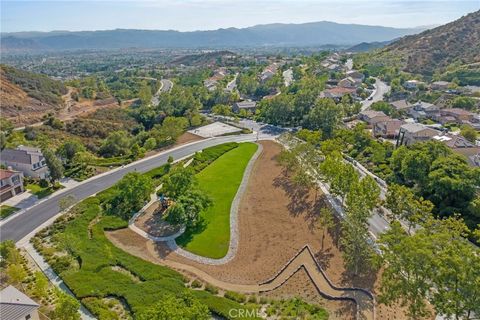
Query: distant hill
(367,46)
(27,96)
(435,49)
(305,34)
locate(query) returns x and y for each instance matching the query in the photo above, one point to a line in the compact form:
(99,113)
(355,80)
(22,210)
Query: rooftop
(15,304)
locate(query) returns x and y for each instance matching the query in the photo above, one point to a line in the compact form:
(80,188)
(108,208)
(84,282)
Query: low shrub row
(208,155)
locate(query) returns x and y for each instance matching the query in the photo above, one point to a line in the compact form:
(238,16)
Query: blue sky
(187,15)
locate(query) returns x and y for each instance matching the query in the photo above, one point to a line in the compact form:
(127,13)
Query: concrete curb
(56,193)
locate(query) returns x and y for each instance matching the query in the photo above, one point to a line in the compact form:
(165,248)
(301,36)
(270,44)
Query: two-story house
(15,305)
(411,133)
(11,184)
(28,160)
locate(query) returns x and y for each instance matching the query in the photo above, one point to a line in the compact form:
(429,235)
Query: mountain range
(277,35)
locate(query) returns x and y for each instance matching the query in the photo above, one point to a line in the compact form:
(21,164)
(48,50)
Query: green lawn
(5,211)
(220,180)
(41,192)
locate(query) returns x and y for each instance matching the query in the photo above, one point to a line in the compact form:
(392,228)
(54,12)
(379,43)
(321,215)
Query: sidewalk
(54,278)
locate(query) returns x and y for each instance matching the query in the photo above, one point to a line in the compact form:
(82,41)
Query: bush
(196,284)
(235,296)
(43,183)
(202,159)
(252,299)
(210,288)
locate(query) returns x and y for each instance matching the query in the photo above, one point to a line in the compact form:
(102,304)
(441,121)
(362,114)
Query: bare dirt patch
(276,219)
(151,221)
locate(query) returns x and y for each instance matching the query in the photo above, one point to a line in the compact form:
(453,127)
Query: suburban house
(454,141)
(424,110)
(349,82)
(15,305)
(11,184)
(28,160)
(337,93)
(411,133)
(460,115)
(400,105)
(358,76)
(372,117)
(412,84)
(244,105)
(387,128)
(269,72)
(439,85)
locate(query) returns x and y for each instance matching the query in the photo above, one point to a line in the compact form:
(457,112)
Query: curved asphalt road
(23,224)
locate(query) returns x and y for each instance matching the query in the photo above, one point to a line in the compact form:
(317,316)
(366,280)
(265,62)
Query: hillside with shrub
(449,47)
(27,96)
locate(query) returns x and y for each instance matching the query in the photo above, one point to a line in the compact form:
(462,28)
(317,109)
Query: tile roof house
(15,305)
(372,117)
(356,75)
(387,128)
(400,105)
(423,110)
(337,93)
(11,184)
(349,82)
(411,133)
(460,115)
(244,105)
(28,160)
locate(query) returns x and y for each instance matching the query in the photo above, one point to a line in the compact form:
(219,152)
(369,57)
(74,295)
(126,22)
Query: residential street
(380,89)
(23,224)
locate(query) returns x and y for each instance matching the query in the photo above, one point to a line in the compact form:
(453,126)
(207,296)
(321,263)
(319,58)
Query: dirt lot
(276,220)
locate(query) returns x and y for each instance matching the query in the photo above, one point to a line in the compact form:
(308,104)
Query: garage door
(6,195)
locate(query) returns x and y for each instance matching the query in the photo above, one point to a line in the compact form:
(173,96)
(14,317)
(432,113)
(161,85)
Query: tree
(407,270)
(132,192)
(404,205)
(173,127)
(325,116)
(150,144)
(187,207)
(184,307)
(222,109)
(145,94)
(468,132)
(16,273)
(178,182)
(54,165)
(70,148)
(464,103)
(288,159)
(41,284)
(355,246)
(66,307)
(116,144)
(326,220)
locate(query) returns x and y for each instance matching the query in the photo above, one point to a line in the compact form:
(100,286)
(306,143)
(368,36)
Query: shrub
(252,299)
(196,284)
(210,288)
(235,296)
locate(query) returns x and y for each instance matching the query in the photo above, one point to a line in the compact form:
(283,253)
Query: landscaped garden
(95,270)
(220,181)
(42,191)
(5,211)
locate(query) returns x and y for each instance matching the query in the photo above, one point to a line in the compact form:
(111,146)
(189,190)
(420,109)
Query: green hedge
(208,155)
